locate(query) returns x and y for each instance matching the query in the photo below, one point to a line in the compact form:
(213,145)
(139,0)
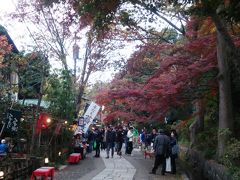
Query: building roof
(4,32)
(44,104)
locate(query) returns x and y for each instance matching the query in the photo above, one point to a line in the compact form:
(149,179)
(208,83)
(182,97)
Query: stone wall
(198,168)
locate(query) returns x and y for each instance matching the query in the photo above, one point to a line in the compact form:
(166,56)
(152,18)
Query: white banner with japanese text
(90,115)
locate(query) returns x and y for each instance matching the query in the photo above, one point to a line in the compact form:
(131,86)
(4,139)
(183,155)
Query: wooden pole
(4,124)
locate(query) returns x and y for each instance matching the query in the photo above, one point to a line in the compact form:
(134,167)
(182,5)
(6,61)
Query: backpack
(175,149)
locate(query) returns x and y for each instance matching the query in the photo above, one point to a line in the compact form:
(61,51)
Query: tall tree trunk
(64,62)
(81,91)
(198,125)
(34,137)
(84,75)
(226,54)
(79,99)
(33,130)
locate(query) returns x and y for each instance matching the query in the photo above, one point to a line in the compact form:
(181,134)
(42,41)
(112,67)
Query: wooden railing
(18,168)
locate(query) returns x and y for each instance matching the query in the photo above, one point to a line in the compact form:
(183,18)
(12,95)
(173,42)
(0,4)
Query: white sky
(15,29)
(20,35)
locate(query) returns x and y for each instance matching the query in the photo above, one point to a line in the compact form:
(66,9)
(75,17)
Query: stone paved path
(116,169)
(84,170)
(143,167)
(134,167)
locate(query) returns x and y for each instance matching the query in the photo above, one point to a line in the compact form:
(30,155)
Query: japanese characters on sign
(12,120)
(90,115)
(85,121)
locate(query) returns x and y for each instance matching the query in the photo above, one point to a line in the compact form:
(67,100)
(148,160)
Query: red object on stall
(42,122)
(74,158)
(43,172)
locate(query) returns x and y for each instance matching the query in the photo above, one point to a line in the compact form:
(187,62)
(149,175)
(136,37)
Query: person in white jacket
(130,140)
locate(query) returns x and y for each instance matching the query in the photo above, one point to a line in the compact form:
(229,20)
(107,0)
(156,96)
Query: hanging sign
(12,121)
(90,115)
(85,121)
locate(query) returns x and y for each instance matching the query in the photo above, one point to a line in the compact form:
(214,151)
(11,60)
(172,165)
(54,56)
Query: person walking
(161,148)
(110,139)
(125,131)
(119,140)
(142,139)
(103,139)
(174,151)
(150,139)
(98,138)
(130,141)
(153,136)
(90,140)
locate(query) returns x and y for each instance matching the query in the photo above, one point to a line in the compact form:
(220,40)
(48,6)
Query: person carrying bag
(174,151)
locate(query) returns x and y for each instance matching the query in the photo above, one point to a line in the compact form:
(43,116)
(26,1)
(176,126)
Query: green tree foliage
(92,91)
(231,158)
(61,95)
(32,73)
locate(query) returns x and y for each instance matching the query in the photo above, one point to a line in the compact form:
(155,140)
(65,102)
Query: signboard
(85,121)
(81,121)
(12,121)
(90,115)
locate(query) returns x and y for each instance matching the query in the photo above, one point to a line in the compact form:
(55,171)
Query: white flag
(90,115)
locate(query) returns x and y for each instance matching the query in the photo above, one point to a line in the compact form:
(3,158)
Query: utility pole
(75,57)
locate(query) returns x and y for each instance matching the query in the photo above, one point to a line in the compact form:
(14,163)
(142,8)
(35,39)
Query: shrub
(206,142)
(231,158)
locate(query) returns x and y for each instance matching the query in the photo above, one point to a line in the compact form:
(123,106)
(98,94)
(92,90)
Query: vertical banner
(85,121)
(90,115)
(12,121)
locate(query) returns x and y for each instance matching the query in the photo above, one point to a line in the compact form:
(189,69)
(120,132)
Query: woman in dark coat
(174,150)
(110,141)
(119,140)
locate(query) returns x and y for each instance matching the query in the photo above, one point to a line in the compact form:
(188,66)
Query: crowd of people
(111,139)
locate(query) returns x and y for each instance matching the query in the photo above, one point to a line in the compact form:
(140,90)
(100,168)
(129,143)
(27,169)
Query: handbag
(175,149)
(94,145)
(168,165)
